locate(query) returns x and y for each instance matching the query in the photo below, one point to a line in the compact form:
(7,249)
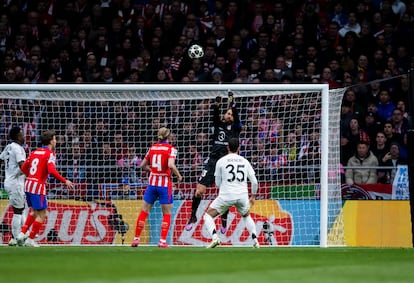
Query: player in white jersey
(231,175)
(13,156)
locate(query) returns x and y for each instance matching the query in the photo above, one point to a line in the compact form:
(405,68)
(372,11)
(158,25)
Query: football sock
(194,205)
(165,226)
(140,223)
(209,222)
(16,224)
(224,219)
(35,229)
(251,227)
(25,213)
(29,221)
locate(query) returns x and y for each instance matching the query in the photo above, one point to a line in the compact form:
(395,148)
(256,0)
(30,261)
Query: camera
(268,231)
(117,224)
(52,236)
(115,221)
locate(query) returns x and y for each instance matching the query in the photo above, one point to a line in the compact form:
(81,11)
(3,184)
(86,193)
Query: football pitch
(198,265)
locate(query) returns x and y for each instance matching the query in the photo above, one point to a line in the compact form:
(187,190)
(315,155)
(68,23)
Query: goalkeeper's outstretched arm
(232,104)
(216,112)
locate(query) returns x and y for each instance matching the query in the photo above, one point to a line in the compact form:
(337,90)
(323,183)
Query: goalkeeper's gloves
(230,100)
(217,101)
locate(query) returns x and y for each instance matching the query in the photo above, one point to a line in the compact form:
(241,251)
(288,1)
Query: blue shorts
(152,193)
(36,202)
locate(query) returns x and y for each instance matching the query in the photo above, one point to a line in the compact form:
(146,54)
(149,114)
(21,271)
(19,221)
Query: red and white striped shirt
(158,156)
(37,167)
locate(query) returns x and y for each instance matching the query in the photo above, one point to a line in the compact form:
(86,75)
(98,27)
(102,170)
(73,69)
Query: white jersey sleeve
(231,175)
(12,155)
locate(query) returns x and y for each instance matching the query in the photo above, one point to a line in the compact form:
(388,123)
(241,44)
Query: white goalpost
(290,135)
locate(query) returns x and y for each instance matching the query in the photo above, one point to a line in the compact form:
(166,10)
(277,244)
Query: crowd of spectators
(364,45)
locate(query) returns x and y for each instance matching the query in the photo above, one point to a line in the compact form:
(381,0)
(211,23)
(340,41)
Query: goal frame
(161,91)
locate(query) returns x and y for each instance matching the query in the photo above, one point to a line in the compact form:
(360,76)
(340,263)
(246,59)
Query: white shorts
(15,190)
(223,204)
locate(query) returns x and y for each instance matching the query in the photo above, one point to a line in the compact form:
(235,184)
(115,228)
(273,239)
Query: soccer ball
(195,51)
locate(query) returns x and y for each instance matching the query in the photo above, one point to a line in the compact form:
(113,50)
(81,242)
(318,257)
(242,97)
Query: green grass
(198,265)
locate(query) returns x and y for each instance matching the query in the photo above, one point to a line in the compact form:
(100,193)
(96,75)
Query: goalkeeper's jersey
(223,132)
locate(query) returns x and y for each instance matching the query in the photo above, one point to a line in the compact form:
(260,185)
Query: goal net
(290,135)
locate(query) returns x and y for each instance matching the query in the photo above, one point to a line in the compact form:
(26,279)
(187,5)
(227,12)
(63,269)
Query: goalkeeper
(225,128)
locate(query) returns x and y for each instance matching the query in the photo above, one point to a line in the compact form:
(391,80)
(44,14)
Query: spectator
(120,69)
(350,138)
(338,15)
(276,161)
(119,146)
(129,166)
(385,105)
(105,165)
(281,69)
(352,25)
(363,72)
(356,109)
(401,105)
(345,61)
(217,76)
(390,135)
(200,74)
(402,92)
(74,166)
(326,78)
(389,15)
(372,95)
(380,148)
(400,124)
(371,125)
(392,159)
(363,158)
(337,73)
(124,191)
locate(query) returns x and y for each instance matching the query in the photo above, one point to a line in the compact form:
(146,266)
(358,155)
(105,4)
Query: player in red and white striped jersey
(160,162)
(37,167)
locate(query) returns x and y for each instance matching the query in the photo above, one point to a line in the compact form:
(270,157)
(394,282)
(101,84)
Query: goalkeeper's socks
(224,219)
(140,223)
(165,226)
(194,205)
(29,221)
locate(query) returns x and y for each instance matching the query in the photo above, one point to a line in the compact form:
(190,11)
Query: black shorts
(207,176)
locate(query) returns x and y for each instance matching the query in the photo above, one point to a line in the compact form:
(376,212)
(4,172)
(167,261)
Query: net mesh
(103,134)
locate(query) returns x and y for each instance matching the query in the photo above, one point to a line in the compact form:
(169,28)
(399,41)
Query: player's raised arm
(232,104)
(216,112)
